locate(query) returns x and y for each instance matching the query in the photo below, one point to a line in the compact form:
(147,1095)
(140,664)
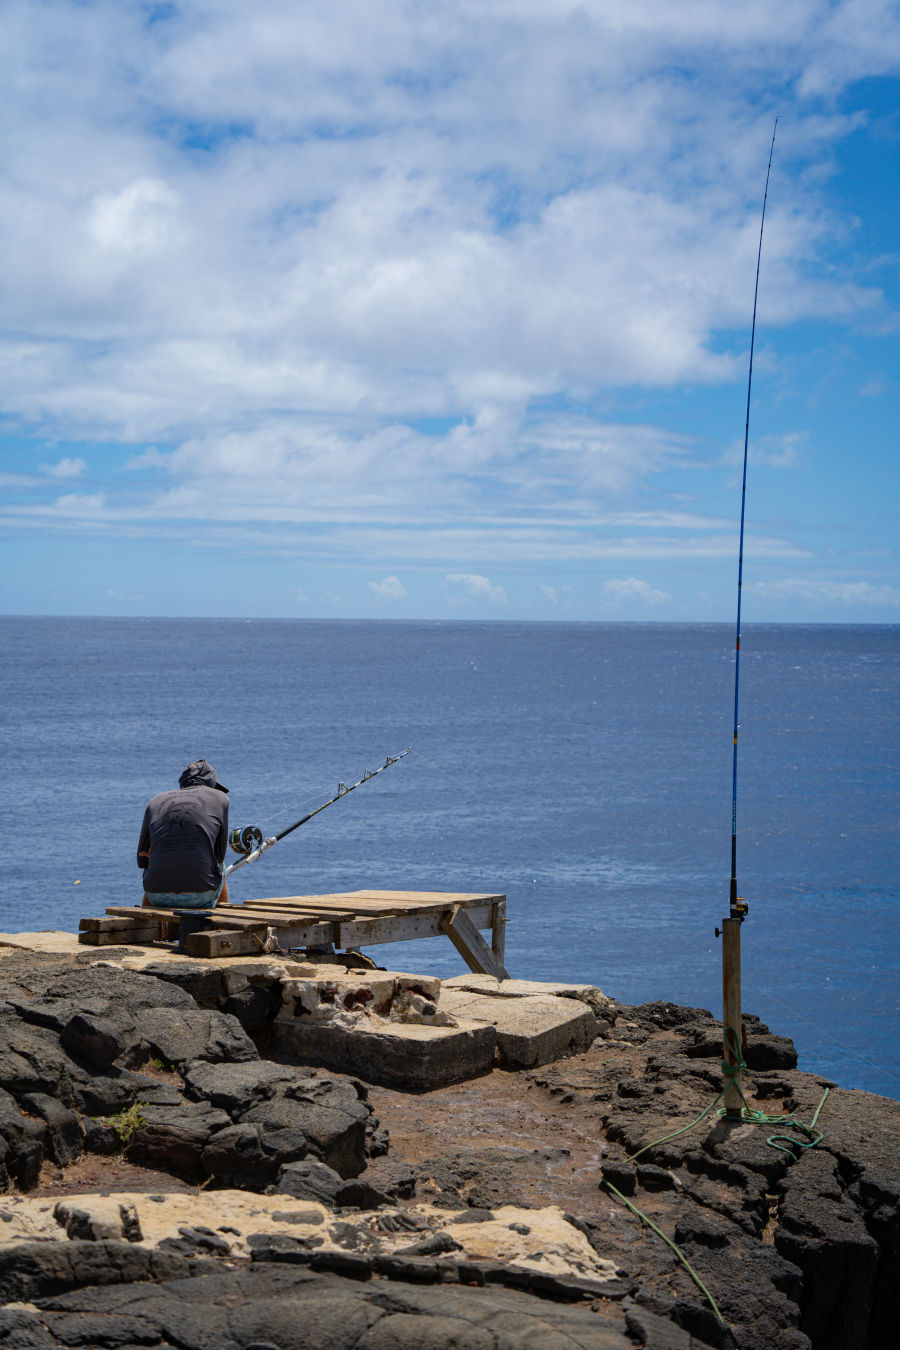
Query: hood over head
(200,774)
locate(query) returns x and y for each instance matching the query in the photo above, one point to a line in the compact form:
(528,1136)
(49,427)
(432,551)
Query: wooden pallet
(348,920)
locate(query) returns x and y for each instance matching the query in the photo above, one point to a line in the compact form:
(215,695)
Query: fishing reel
(245,838)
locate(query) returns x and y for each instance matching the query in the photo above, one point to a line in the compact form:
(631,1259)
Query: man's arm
(222,836)
(143,848)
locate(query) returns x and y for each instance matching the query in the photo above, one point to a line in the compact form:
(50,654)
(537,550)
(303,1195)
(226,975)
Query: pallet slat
(262,918)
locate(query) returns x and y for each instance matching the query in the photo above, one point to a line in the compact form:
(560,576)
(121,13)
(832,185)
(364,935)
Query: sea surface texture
(584,770)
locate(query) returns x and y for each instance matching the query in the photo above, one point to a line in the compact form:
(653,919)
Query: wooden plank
(220,942)
(394,928)
(248,939)
(438,897)
(132,937)
(402,928)
(107,924)
(309,901)
(136,911)
(262,907)
(416,899)
(348,901)
(260,917)
(327,906)
(360,902)
(305,924)
(470,944)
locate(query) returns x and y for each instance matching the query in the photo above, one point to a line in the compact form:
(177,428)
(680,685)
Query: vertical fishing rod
(731,927)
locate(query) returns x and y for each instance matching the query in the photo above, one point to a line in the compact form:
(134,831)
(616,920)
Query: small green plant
(154,1062)
(127,1123)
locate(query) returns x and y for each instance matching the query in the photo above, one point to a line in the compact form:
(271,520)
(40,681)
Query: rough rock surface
(494,1212)
(73,1042)
(279,1306)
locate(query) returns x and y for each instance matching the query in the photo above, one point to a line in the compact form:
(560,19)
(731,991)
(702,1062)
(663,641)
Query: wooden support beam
(302,934)
(470,944)
(110,924)
(138,912)
(219,942)
(126,937)
(498,930)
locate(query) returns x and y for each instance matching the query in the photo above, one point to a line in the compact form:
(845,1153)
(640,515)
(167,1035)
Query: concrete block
(595,999)
(530,1030)
(343,994)
(397,1054)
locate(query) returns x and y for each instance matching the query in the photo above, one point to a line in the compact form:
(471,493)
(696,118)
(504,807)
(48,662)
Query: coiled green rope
(785,1143)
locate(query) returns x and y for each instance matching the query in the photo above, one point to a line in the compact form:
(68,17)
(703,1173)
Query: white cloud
(281,240)
(782,450)
(631,588)
(205,228)
(68,467)
(470,586)
(556,595)
(828,592)
(388,589)
(147,459)
(136,220)
(79,505)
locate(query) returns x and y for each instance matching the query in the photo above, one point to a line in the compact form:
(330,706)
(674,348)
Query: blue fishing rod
(738,908)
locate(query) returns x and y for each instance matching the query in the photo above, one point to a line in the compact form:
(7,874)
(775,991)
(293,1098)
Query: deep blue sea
(583,769)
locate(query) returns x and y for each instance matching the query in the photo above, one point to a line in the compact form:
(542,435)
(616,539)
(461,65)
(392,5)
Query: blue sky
(443,311)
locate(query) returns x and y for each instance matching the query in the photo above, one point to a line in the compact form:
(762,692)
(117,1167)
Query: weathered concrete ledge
(387,1027)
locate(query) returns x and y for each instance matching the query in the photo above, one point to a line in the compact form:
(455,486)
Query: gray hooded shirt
(185,832)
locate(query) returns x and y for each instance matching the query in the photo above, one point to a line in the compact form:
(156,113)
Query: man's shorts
(185,899)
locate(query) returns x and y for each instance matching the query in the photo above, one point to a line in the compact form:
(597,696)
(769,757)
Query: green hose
(785,1143)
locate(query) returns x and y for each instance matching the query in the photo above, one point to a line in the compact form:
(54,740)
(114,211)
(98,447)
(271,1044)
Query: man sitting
(183,840)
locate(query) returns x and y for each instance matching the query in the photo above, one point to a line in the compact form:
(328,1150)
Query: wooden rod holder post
(731,1009)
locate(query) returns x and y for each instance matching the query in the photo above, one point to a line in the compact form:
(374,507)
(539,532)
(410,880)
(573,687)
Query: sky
(442,309)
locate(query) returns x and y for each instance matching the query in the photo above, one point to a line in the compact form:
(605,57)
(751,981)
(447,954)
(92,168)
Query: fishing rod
(248,840)
(738,908)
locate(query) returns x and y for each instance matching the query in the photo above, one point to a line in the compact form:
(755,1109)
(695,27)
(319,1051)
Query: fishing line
(297,806)
(313,796)
(737,658)
(249,841)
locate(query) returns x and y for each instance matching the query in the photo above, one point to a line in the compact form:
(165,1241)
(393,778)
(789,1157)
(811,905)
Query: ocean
(582,769)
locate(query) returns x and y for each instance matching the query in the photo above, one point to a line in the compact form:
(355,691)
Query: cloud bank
(399,263)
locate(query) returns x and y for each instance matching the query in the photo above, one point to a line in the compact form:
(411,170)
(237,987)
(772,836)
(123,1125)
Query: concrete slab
(47,940)
(331,992)
(595,999)
(530,1030)
(395,1054)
